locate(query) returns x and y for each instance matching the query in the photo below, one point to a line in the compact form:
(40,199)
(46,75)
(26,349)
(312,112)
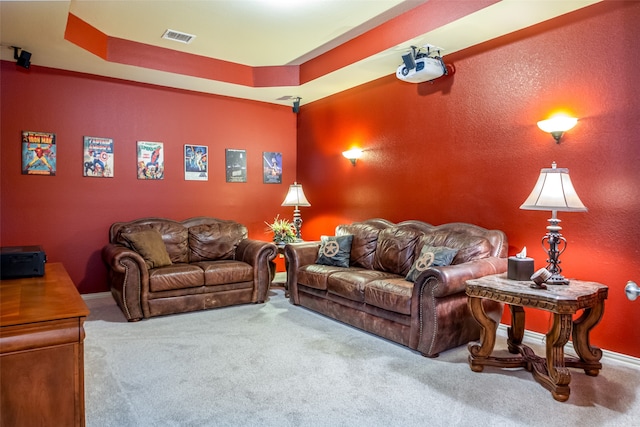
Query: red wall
(467,148)
(69,215)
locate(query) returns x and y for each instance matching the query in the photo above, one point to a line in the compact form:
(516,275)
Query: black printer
(21,261)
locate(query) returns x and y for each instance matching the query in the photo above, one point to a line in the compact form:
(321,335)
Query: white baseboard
(538,338)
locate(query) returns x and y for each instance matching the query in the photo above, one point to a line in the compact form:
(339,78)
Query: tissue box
(519,268)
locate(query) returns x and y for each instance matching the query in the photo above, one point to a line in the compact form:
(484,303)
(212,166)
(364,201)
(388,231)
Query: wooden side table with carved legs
(272,268)
(561,300)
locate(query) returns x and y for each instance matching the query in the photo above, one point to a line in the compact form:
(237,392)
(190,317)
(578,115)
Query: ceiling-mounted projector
(420,66)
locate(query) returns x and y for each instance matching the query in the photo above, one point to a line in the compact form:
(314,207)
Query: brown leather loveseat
(158,266)
(404,282)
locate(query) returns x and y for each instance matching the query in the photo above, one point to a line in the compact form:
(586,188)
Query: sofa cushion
(393,294)
(214,241)
(176,276)
(395,250)
(472,248)
(316,275)
(350,283)
(148,243)
(363,246)
(335,250)
(435,256)
(223,272)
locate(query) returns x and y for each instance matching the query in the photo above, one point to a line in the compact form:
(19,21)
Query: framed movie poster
(150,160)
(98,157)
(236,165)
(272,167)
(196,163)
(38,153)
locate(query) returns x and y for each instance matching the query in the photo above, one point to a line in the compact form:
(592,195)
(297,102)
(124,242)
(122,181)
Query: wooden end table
(561,300)
(42,350)
(272,267)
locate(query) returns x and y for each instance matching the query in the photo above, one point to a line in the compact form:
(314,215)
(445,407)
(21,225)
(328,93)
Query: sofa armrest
(441,304)
(439,282)
(258,253)
(297,255)
(114,254)
(128,278)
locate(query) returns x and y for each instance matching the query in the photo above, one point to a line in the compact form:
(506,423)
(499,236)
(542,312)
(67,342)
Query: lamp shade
(295,196)
(554,192)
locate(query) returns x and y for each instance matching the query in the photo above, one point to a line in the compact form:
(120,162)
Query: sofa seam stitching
(124,293)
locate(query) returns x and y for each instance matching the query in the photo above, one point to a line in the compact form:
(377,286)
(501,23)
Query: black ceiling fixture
(296,104)
(23,59)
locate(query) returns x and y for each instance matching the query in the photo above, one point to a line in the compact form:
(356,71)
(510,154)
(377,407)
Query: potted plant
(283,231)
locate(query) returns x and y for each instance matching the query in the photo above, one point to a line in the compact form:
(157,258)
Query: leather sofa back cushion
(363,245)
(395,250)
(470,247)
(214,241)
(174,236)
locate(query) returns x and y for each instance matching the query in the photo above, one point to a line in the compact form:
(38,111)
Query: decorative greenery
(283,230)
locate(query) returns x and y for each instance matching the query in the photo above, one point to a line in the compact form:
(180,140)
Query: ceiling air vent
(178,36)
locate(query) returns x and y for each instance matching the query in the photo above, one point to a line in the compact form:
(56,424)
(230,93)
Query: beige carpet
(276,364)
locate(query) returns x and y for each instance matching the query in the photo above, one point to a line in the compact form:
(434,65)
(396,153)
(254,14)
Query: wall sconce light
(353,155)
(557,125)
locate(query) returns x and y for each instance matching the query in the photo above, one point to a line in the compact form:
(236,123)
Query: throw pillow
(149,244)
(430,256)
(335,250)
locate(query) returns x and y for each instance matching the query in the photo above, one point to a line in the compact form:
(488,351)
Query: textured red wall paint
(69,215)
(467,148)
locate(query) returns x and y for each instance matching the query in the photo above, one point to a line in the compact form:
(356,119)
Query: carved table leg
(557,377)
(481,351)
(516,331)
(589,356)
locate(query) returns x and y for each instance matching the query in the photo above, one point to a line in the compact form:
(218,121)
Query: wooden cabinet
(42,351)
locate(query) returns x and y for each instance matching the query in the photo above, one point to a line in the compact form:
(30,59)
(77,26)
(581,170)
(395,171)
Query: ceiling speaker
(24,59)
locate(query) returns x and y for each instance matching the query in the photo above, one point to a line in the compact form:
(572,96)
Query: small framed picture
(98,157)
(272,167)
(39,153)
(236,165)
(150,160)
(196,163)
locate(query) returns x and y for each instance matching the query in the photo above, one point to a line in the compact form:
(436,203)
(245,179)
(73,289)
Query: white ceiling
(257,33)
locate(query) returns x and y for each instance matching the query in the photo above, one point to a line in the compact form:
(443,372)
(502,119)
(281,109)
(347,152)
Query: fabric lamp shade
(295,196)
(554,192)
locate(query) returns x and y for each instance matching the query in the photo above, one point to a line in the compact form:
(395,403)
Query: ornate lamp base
(554,238)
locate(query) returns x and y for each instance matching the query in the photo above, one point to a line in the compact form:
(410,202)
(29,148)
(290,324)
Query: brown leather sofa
(158,266)
(372,293)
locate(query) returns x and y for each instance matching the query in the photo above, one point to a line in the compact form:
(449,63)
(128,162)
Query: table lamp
(295,197)
(554,192)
